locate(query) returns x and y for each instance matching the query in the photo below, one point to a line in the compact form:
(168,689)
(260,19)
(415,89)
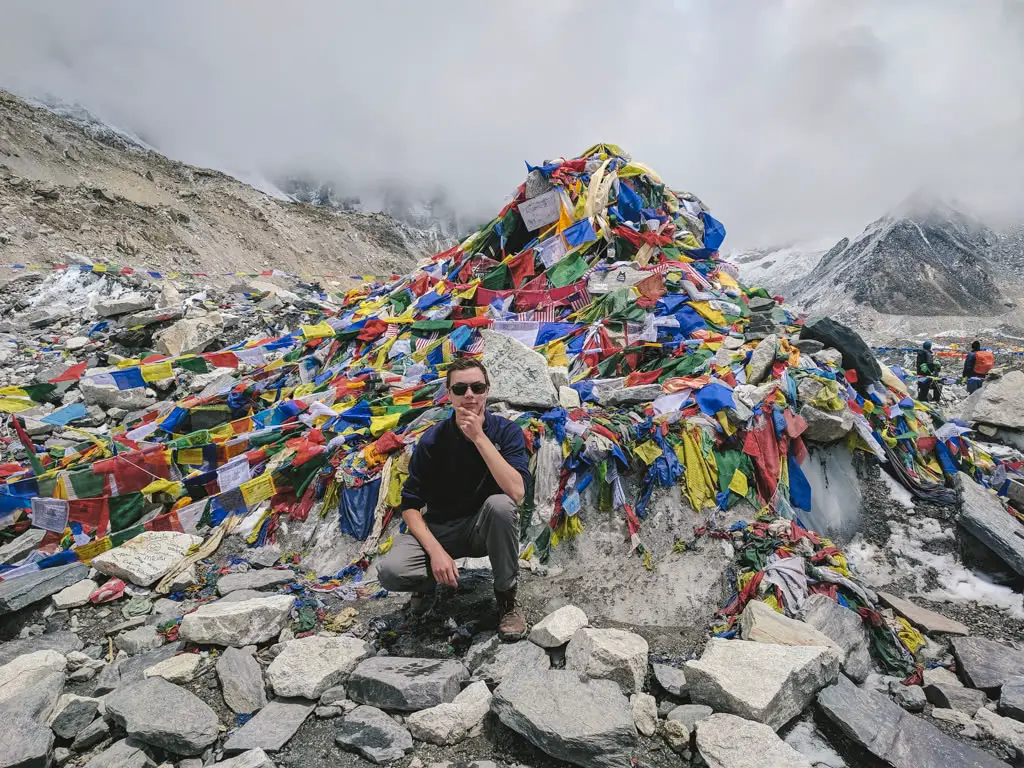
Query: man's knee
(387,574)
(501,509)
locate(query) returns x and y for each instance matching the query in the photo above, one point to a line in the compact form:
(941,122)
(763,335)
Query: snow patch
(897,492)
(835,493)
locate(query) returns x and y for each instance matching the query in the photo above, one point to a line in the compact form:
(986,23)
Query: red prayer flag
(74,373)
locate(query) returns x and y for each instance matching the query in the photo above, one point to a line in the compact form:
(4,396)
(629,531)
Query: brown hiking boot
(420,603)
(511,620)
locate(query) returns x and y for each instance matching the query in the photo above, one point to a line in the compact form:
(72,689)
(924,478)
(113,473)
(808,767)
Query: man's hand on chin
(471,422)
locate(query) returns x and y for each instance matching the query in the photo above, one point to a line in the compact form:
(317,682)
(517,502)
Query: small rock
(690,714)
(1011,698)
(241,680)
(145,638)
(910,697)
(19,593)
(122,754)
(325,713)
(611,654)
(671,679)
(922,618)
(645,713)
(177,669)
(91,735)
(32,684)
(1003,729)
(493,660)
(557,628)
(254,758)
(73,718)
(333,696)
(374,735)
(955,697)
(452,722)
(845,628)
(676,735)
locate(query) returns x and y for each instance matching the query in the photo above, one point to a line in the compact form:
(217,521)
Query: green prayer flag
(497,279)
(194,364)
(568,271)
(125,510)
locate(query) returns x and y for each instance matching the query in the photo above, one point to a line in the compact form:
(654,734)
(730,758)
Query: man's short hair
(464,364)
(976,346)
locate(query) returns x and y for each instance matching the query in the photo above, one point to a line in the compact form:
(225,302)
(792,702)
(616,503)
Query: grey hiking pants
(493,531)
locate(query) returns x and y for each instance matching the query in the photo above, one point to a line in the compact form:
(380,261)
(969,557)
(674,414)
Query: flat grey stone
(139,640)
(62,641)
(272,727)
(241,595)
(845,628)
(23,591)
(727,741)
(671,679)
(986,518)
(910,697)
(986,664)
(24,743)
(132,670)
(32,684)
(895,736)
(374,735)
(644,393)
(494,661)
(125,753)
(1011,698)
(690,714)
(18,548)
(254,758)
(162,714)
(237,624)
(73,719)
(308,666)
(241,680)
(956,697)
(91,735)
(581,721)
(922,618)
(333,696)
(767,683)
(256,579)
(405,685)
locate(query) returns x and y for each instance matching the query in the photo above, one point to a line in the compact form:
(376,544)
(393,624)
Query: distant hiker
(978,364)
(467,476)
(927,387)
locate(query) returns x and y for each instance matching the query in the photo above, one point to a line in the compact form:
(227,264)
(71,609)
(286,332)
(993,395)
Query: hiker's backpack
(984,362)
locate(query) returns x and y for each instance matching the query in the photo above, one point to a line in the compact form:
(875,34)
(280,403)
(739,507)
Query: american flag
(476,346)
(580,299)
(393,330)
(422,342)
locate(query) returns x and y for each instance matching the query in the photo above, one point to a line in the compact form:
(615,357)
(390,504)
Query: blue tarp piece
(66,415)
(714,397)
(355,509)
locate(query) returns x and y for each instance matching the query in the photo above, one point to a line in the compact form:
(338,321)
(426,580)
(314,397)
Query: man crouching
(467,476)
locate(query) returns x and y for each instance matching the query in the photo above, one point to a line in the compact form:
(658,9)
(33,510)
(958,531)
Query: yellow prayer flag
(738,484)
(381,424)
(403,399)
(304,389)
(130,362)
(319,331)
(157,371)
(555,354)
(99,267)
(93,549)
(648,451)
(164,486)
(15,404)
(190,456)
(13,391)
(258,489)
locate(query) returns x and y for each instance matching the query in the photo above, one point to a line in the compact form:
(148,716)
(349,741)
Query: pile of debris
(634,360)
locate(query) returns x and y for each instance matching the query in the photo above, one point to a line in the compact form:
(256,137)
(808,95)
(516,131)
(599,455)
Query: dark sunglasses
(478,387)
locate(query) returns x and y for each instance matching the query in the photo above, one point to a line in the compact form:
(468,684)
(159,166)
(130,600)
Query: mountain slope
(928,259)
(68,187)
(777,268)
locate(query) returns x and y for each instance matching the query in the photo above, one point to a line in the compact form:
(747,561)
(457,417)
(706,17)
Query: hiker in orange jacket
(977,365)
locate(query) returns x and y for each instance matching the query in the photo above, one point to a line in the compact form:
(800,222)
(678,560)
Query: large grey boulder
(1000,402)
(727,741)
(404,684)
(241,680)
(986,518)
(671,679)
(761,360)
(23,591)
(32,684)
(248,622)
(152,316)
(826,426)
(760,623)
(846,628)
(108,396)
(1011,698)
(494,661)
(24,743)
(162,714)
(771,684)
(189,336)
(894,736)
(518,374)
(261,579)
(272,727)
(147,558)
(374,735)
(310,665)
(73,718)
(581,721)
(611,654)
(18,548)
(986,664)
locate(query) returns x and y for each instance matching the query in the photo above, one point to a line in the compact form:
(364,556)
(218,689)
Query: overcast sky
(791,119)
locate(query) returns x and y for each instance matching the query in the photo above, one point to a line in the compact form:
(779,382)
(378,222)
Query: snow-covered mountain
(776,268)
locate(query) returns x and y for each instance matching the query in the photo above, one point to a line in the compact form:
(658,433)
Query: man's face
(465,382)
